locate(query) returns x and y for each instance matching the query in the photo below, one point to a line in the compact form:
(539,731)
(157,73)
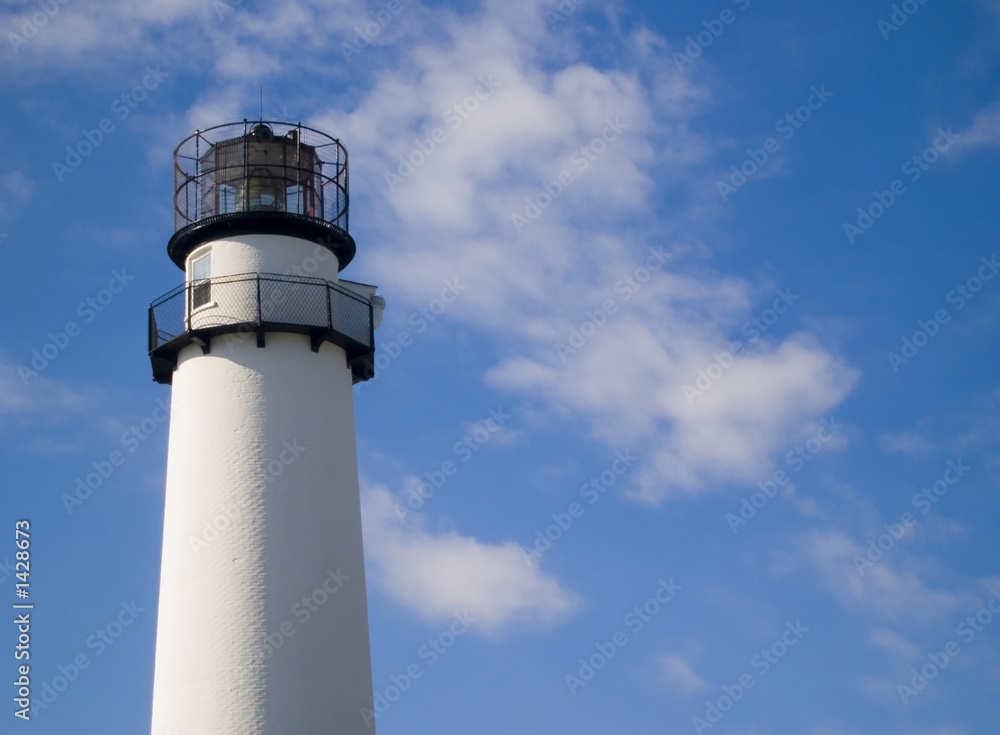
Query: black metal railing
(257,303)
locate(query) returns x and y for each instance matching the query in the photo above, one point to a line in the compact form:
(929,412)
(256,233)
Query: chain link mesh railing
(261,301)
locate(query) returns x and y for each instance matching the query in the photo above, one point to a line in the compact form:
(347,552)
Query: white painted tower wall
(262,510)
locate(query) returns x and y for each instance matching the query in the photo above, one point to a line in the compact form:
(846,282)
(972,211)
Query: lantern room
(264,177)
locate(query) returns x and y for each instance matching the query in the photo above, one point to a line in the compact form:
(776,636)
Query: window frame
(200,289)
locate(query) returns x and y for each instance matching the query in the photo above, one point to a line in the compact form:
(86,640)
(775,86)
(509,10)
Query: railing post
(329,307)
(371,326)
(260,314)
(246,175)
(197,177)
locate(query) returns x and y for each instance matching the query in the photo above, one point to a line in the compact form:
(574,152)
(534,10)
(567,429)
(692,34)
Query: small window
(293,199)
(201,285)
(227,199)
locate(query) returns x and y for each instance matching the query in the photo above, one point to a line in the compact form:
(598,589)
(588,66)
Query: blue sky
(723,313)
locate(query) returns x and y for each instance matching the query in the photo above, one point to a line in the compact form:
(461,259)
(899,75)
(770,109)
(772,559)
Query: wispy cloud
(883,590)
(37,399)
(983,132)
(15,189)
(679,676)
(905,442)
(894,643)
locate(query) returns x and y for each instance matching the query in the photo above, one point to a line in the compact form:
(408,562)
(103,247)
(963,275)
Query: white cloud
(983,132)
(679,676)
(43,416)
(630,383)
(452,216)
(109,34)
(881,590)
(15,189)
(905,442)
(28,396)
(891,641)
(489,431)
(436,575)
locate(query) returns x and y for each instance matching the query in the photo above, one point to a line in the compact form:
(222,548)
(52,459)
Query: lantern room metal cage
(265,177)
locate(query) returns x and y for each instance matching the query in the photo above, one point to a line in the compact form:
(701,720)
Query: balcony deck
(253,304)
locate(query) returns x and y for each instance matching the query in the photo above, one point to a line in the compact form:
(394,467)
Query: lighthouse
(262,620)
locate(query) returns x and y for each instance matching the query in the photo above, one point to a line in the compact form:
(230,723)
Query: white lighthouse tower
(263,626)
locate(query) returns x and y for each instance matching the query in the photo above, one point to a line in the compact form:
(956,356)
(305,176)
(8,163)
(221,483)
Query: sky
(697,304)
